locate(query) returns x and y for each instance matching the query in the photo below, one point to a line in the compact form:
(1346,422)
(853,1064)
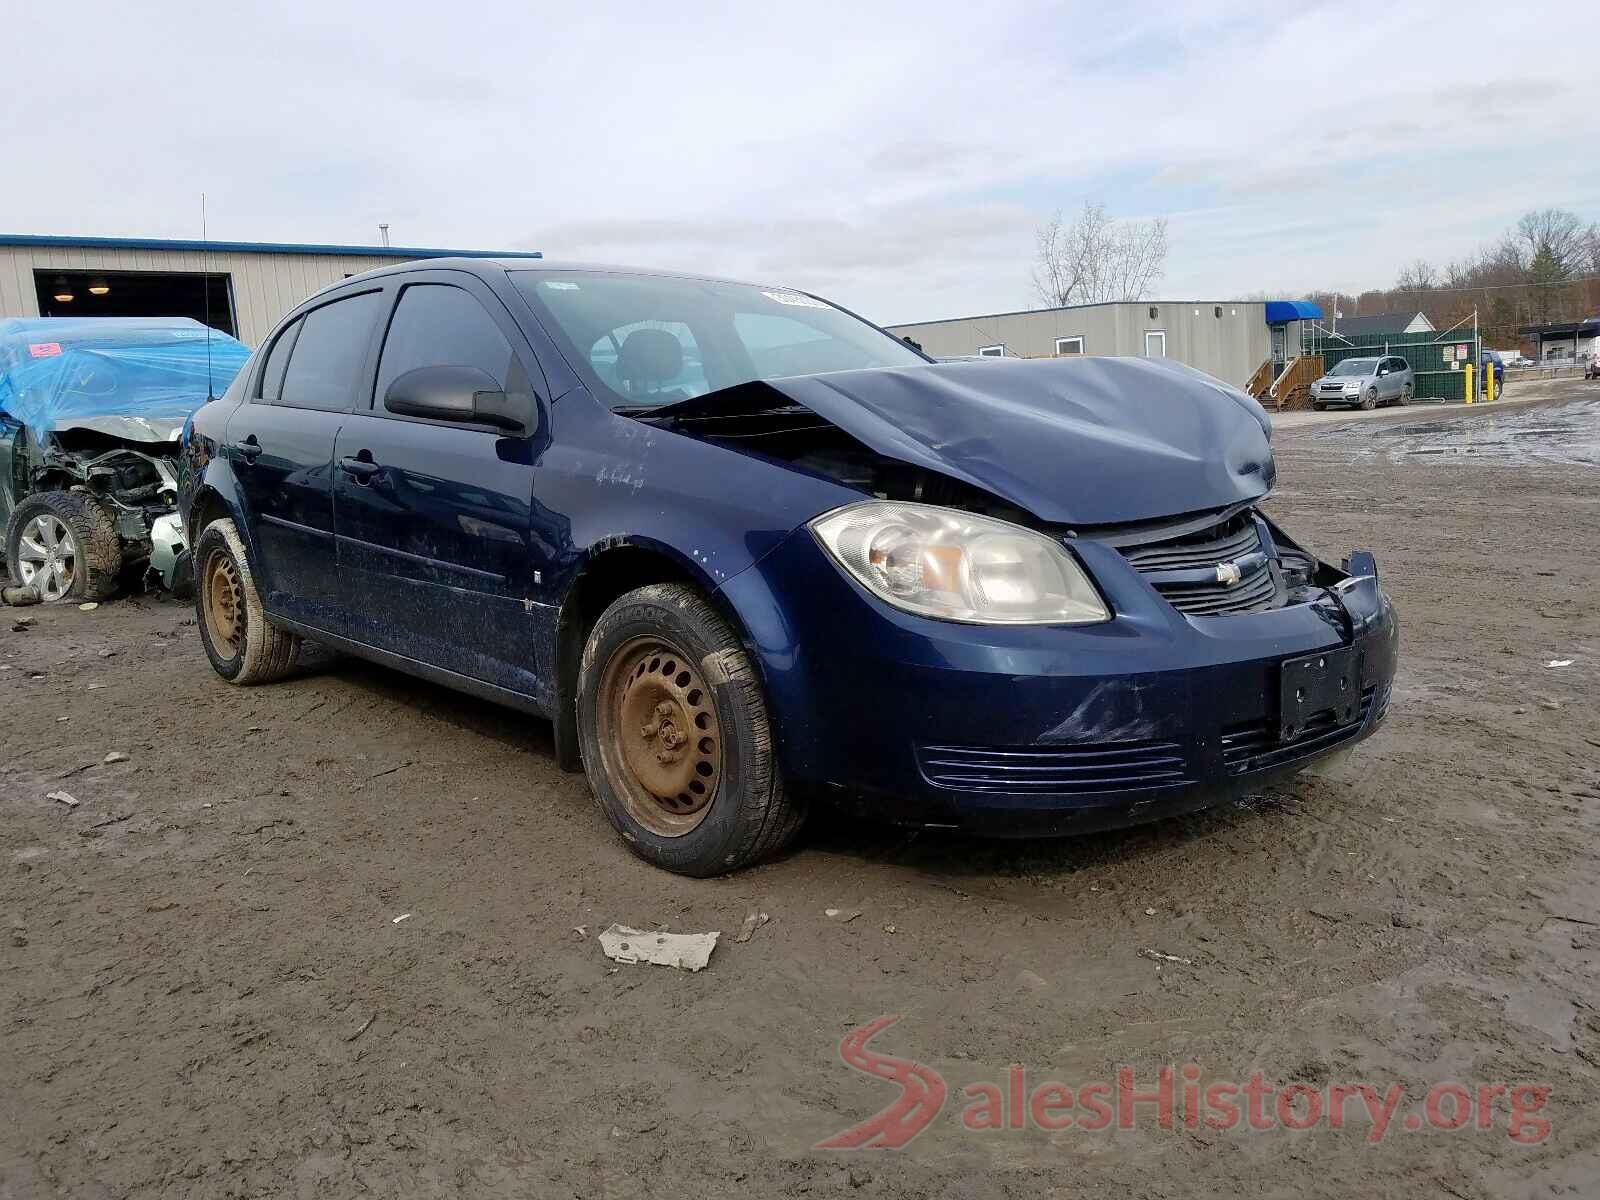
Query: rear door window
(277,361)
(436,325)
(326,360)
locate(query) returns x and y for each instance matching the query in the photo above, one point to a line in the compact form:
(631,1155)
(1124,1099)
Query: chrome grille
(1184,568)
(1251,593)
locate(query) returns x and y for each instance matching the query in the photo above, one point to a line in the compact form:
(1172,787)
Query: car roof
(486,266)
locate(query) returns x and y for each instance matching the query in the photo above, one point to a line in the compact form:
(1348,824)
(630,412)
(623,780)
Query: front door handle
(359,469)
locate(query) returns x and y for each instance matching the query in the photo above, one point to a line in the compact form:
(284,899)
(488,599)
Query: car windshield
(651,340)
(1355,366)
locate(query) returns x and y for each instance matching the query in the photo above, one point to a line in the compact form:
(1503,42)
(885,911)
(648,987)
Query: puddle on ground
(1566,433)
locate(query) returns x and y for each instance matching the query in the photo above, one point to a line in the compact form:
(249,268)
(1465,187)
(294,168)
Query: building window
(992,351)
(1155,343)
(1069,345)
(1154,312)
(1217,312)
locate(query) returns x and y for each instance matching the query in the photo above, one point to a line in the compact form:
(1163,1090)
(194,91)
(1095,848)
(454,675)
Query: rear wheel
(244,647)
(65,545)
(675,737)
(1405,396)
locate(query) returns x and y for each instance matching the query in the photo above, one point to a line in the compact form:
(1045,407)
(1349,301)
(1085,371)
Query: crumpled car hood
(1084,441)
(128,428)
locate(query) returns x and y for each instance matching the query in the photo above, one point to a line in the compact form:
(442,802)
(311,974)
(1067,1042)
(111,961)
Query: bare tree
(1418,277)
(1556,237)
(1094,259)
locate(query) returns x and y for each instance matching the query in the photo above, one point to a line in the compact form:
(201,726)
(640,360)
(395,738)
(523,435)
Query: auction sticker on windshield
(794,299)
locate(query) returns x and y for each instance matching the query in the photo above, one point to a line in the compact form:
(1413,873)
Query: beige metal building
(241,287)
(1229,339)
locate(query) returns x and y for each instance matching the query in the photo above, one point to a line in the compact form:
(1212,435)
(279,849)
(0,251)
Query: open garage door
(202,296)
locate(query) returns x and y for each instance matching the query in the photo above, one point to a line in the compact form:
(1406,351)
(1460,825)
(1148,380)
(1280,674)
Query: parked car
(90,411)
(1365,383)
(1491,360)
(746,550)
(1591,369)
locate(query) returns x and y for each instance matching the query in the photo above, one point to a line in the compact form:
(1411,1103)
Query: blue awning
(1280,312)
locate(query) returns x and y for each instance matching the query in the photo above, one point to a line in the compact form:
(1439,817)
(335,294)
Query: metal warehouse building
(1229,339)
(244,287)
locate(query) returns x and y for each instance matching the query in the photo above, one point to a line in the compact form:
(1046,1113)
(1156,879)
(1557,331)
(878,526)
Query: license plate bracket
(1318,683)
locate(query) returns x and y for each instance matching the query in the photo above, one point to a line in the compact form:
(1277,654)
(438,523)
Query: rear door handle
(359,469)
(250,449)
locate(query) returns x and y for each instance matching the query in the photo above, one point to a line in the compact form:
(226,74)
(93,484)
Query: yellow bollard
(1488,382)
(1466,373)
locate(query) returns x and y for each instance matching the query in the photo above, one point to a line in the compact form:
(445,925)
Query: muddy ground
(206,990)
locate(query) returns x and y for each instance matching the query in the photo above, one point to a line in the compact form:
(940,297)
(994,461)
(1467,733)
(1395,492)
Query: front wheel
(242,645)
(65,545)
(1370,400)
(675,735)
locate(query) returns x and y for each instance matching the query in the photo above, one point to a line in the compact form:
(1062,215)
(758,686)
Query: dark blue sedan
(747,551)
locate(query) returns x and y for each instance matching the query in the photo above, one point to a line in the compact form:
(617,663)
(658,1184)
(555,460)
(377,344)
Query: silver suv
(1367,382)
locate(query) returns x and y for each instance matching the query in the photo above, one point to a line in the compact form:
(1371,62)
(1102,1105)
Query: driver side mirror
(465,395)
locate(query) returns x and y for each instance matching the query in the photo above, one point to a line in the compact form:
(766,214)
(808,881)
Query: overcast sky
(896,158)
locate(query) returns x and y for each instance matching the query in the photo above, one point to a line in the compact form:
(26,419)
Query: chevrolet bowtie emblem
(1228,573)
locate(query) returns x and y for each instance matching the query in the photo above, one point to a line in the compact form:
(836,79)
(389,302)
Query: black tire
(1319,407)
(92,562)
(1405,397)
(1369,401)
(663,652)
(243,646)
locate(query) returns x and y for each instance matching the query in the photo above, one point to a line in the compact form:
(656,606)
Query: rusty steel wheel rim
(659,739)
(224,602)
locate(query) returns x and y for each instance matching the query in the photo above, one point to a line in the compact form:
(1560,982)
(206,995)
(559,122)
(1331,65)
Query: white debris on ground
(686,951)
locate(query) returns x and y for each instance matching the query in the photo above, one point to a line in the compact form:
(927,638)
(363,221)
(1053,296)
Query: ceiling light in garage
(63,292)
(99,288)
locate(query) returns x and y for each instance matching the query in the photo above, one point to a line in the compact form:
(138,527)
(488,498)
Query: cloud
(894,156)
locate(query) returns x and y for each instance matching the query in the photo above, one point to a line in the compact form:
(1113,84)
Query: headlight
(944,563)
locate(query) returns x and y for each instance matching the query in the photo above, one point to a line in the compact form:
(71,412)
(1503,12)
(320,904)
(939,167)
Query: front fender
(608,481)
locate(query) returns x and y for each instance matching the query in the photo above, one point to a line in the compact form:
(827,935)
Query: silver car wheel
(48,557)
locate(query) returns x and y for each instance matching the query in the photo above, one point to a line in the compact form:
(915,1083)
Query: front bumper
(1028,730)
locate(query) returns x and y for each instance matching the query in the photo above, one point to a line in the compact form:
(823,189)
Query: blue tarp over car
(135,378)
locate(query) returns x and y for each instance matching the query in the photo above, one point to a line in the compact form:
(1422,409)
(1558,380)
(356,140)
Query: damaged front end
(91,410)
(1227,654)
(134,481)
